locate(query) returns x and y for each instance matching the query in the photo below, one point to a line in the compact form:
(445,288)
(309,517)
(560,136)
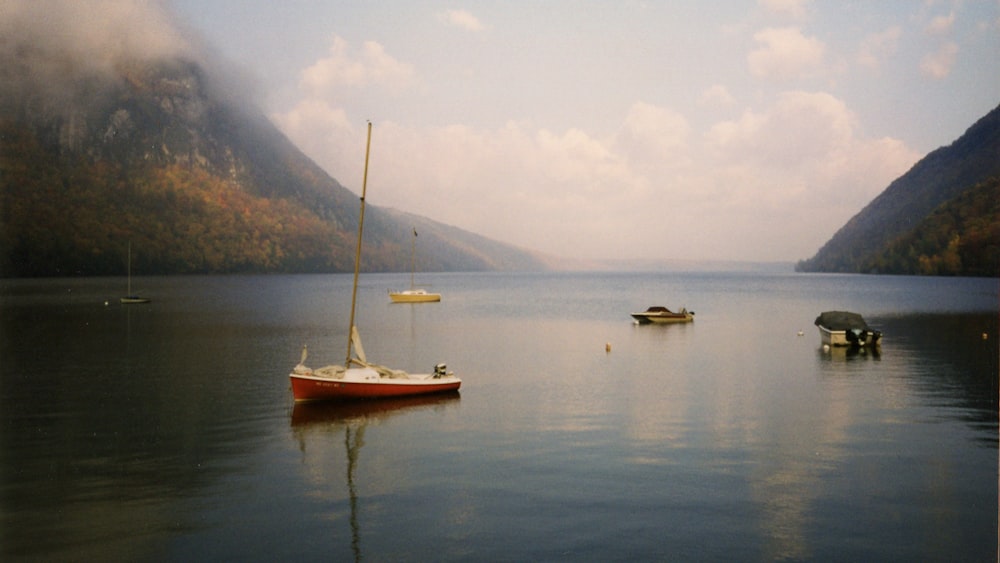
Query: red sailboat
(358,378)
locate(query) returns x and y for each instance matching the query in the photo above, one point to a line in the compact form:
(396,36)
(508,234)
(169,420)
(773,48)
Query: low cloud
(58,53)
(96,33)
(51,49)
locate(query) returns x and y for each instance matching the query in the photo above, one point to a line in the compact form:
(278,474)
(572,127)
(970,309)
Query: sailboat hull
(317,388)
(414,296)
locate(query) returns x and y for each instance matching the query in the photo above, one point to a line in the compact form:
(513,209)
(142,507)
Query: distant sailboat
(130,298)
(413,295)
(357,378)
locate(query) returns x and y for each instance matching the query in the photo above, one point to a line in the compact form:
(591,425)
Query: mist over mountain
(940,218)
(117,126)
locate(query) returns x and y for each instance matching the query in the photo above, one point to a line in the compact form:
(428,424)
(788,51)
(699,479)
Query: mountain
(157,152)
(874,240)
(961,237)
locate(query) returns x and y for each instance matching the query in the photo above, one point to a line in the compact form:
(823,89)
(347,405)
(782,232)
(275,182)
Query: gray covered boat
(843,328)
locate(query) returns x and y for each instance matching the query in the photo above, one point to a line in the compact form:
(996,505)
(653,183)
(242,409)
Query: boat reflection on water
(321,419)
(845,353)
(306,415)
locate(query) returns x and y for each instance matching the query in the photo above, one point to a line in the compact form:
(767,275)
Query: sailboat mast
(413,258)
(129,270)
(357,252)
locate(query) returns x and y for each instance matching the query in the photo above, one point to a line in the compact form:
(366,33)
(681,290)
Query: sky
(686,130)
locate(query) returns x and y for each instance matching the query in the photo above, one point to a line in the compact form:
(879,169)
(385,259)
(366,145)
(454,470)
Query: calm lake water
(167,432)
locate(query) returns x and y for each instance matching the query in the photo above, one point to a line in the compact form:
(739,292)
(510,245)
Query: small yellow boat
(413,296)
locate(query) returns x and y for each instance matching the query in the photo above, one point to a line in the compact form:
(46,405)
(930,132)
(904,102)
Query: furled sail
(356,342)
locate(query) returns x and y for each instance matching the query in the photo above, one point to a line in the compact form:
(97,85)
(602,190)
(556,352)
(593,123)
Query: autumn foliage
(76,216)
(960,238)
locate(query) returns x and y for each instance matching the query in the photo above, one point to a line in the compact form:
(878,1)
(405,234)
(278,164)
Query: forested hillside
(78,218)
(961,237)
(870,241)
(155,155)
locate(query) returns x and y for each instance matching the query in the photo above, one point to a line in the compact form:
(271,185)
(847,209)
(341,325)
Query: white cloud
(716,95)
(653,137)
(657,187)
(784,53)
(801,162)
(941,24)
(938,65)
(318,122)
(877,47)
(462,19)
(344,68)
(798,128)
(324,132)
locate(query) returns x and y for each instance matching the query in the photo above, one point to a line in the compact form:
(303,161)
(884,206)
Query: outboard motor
(855,337)
(850,336)
(440,370)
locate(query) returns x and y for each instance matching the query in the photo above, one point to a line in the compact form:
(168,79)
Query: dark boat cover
(841,320)
(657,309)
